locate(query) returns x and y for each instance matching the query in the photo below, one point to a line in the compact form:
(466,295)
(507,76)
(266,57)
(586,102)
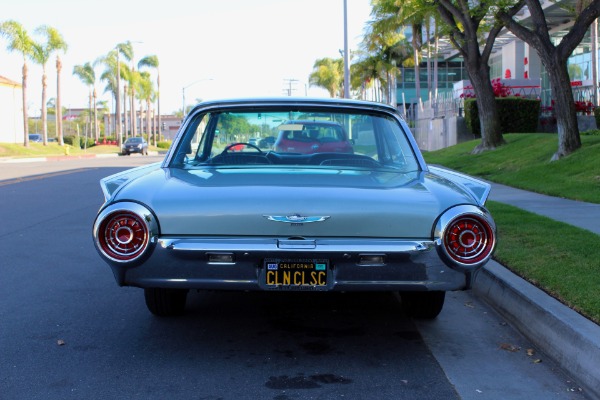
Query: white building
(11,111)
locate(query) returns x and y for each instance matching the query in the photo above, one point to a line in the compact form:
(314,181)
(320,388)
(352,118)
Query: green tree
(386,48)
(554,57)
(329,75)
(393,16)
(466,22)
(20,41)
(152,62)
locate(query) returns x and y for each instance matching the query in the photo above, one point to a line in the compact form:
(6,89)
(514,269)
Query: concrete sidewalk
(570,339)
(576,213)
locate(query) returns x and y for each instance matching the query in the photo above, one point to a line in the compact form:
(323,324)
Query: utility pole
(346,54)
(289,86)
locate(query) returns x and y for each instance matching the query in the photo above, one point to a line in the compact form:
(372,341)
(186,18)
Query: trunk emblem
(295,218)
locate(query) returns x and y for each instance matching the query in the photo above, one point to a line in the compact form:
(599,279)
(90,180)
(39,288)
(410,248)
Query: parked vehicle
(306,137)
(367,214)
(36,137)
(135,145)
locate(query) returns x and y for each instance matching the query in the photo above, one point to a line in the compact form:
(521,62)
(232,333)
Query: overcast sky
(215,48)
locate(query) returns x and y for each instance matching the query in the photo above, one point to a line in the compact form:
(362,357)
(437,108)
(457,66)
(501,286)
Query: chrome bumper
(238,264)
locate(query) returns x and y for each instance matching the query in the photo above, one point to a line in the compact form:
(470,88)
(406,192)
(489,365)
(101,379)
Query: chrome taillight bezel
(125,232)
(465,236)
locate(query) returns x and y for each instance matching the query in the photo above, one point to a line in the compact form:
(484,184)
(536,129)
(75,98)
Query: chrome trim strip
(387,246)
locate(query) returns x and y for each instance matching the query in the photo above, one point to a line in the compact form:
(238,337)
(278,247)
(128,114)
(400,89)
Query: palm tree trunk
(96,135)
(89,124)
(59,122)
(133,113)
(125,115)
(159,127)
(25,119)
(44,108)
(148,121)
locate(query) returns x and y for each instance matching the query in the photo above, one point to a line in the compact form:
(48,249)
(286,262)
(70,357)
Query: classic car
(373,218)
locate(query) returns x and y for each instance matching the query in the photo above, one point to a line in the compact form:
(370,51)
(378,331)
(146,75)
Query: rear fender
(111,184)
(479,189)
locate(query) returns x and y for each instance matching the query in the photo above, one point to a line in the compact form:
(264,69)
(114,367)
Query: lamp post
(346,54)
(188,86)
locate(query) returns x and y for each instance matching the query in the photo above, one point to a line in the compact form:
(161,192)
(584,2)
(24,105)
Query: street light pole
(346,54)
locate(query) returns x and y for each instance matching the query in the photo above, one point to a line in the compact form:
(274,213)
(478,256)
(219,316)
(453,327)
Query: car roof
(297,101)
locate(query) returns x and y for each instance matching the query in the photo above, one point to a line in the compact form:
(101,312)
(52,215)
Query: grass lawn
(52,149)
(525,163)
(562,260)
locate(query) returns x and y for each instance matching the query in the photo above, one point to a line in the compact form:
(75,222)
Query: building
(11,111)
(437,118)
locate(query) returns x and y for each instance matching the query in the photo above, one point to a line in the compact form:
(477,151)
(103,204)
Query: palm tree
(328,74)
(87,75)
(146,93)
(132,77)
(41,55)
(19,40)
(56,43)
(152,62)
(392,15)
(112,77)
(388,48)
(103,110)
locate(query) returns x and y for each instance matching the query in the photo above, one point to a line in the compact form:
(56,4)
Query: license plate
(296,274)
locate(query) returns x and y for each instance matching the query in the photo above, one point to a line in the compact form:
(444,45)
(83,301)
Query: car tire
(423,305)
(165,302)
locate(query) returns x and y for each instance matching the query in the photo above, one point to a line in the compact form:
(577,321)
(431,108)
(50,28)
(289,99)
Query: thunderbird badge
(295,218)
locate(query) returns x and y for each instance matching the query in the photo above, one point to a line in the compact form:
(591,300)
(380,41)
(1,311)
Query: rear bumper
(238,264)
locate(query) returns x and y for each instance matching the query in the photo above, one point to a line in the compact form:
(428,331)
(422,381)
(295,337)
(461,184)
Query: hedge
(517,115)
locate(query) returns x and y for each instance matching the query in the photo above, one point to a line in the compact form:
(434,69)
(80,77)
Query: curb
(64,158)
(570,339)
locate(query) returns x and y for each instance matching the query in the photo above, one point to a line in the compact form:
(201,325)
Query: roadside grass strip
(558,258)
(524,163)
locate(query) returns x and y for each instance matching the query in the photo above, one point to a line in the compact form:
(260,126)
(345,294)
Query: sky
(212,48)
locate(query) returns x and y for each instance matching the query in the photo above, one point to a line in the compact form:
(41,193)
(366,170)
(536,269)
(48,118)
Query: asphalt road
(68,332)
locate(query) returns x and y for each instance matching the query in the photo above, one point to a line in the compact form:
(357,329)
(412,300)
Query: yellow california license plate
(296,274)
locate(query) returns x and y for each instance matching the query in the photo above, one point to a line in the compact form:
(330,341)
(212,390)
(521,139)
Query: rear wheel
(165,302)
(423,305)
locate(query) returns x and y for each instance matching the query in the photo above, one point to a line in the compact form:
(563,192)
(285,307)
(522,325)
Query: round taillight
(469,239)
(123,236)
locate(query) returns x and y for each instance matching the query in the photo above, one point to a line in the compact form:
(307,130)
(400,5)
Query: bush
(591,132)
(517,115)
(597,116)
(163,145)
(79,141)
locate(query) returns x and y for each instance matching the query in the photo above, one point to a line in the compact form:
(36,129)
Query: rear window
(300,138)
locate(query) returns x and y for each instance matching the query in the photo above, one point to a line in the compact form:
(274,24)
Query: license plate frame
(296,274)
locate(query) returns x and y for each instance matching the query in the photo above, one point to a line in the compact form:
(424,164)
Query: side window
(363,136)
(191,146)
(395,149)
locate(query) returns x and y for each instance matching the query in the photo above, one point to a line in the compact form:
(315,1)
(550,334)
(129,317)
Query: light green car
(222,213)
